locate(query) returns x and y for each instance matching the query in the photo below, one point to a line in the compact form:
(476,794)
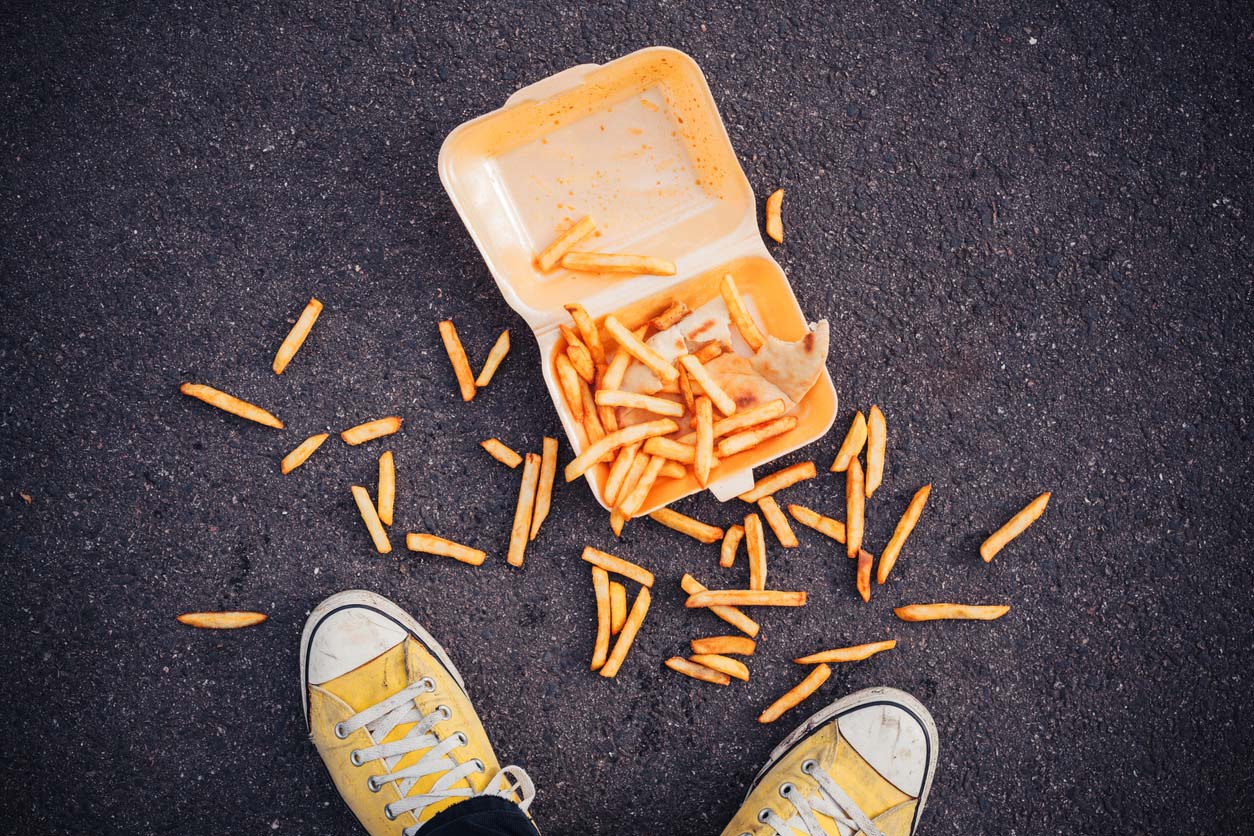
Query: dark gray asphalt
(1030,230)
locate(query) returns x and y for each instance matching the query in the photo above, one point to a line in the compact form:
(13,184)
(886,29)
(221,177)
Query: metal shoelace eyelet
(446,711)
(355,757)
(808,766)
(464,740)
(762,814)
(373,785)
(339,731)
(428,683)
(387,811)
(786,789)
(479,765)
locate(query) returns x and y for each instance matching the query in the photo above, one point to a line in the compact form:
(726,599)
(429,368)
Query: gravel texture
(1029,225)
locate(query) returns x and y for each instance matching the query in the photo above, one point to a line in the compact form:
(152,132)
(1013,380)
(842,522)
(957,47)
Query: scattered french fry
(672,470)
(302,452)
(618,263)
(774,216)
(731,542)
(780,479)
(865,559)
(1012,529)
(631,400)
(230,403)
(853,653)
(628,634)
(687,525)
(670,449)
(755,545)
(618,472)
(746,418)
(523,513)
(588,330)
(855,503)
(905,525)
(708,351)
(502,452)
(371,430)
(731,615)
(617,369)
(371,518)
(633,345)
(617,520)
(734,668)
(495,357)
(618,566)
(632,479)
(852,445)
(746,598)
(701,672)
(570,383)
(387,487)
(674,312)
(607,414)
(704,458)
(722,645)
(824,525)
(934,612)
(636,499)
(580,356)
(876,439)
(618,607)
(296,337)
(221,620)
(738,443)
(601,588)
(740,316)
(430,544)
(553,253)
(792,698)
(696,372)
(591,420)
(778,522)
(685,390)
(457,357)
(544,489)
(628,435)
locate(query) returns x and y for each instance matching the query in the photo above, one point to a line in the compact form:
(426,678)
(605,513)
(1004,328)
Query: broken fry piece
(587,330)
(296,337)
(855,502)
(778,522)
(553,253)
(852,445)
(853,653)
(631,400)
(371,430)
(722,645)
(571,384)
(387,487)
(302,452)
(501,451)
(734,668)
(687,525)
(824,525)
(580,356)
(230,403)
(792,698)
(738,443)
(457,357)
(617,519)
(371,518)
(618,263)
(628,634)
(708,351)
(231,620)
(777,481)
(731,615)
(905,525)
(523,511)
(1012,529)
(618,606)
(740,314)
(635,500)
(703,460)
(499,349)
(876,438)
(701,672)
(672,470)
(544,489)
(746,598)
(628,435)
(774,216)
(934,612)
(601,588)
(430,544)
(731,542)
(633,345)
(696,372)
(674,312)
(618,472)
(755,545)
(865,559)
(618,566)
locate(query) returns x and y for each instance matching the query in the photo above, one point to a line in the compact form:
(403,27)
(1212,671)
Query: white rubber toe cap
(347,638)
(892,741)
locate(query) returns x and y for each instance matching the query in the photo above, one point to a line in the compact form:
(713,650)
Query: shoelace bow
(832,802)
(382,717)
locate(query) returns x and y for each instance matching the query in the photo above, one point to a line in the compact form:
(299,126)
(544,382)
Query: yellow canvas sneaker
(863,765)
(389,715)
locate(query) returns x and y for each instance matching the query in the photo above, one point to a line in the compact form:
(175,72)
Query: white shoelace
(832,801)
(381,718)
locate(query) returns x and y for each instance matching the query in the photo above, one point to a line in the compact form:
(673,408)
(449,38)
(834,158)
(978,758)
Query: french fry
(523,513)
(631,480)
(618,566)
(794,696)
(371,430)
(687,525)
(905,525)
(387,487)
(579,356)
(618,472)
(601,588)
(628,634)
(618,263)
(617,368)
(731,542)
(495,357)
(618,607)
(746,418)
(740,314)
(723,645)
(774,219)
(685,390)
(745,598)
(731,615)
(370,517)
(865,559)
(302,452)
(649,403)
(701,672)
(231,620)
(852,445)
(824,525)
(876,438)
(430,544)
(457,357)
(607,414)
(617,519)
(230,403)
(708,351)
(674,312)
(570,383)
(296,337)
(738,443)
(734,668)
(672,470)
(587,330)
(1012,529)
(704,459)
(640,492)
(633,345)
(501,451)
(853,653)
(777,481)
(778,522)
(855,502)
(696,372)
(544,489)
(670,449)
(591,420)
(934,612)
(755,546)
(553,253)
(627,435)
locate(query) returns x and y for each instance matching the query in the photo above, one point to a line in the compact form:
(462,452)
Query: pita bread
(708,322)
(736,376)
(639,378)
(794,367)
